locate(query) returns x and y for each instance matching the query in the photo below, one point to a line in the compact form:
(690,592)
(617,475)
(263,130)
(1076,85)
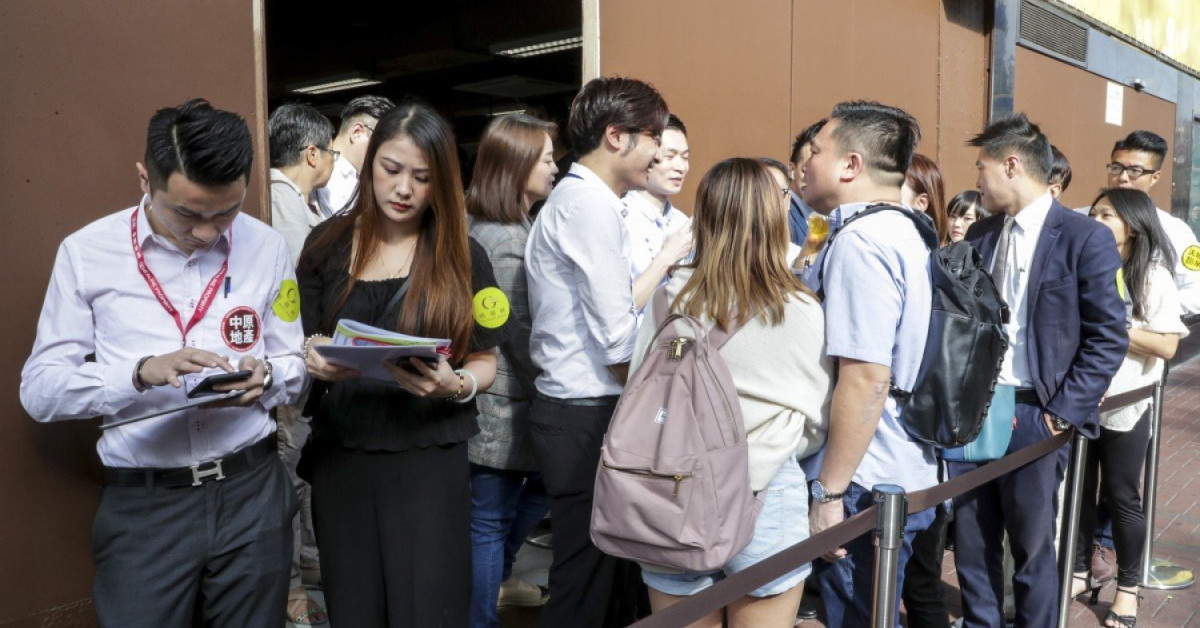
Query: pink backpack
(673,486)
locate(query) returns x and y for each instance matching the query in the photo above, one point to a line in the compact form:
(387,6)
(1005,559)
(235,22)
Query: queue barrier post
(1150,485)
(889,538)
(1156,574)
(1070,536)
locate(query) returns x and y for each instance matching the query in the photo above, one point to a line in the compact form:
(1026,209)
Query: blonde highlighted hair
(741,240)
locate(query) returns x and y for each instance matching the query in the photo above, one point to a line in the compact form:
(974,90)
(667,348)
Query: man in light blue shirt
(877,286)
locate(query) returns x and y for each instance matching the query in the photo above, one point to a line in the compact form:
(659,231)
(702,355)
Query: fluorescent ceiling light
(544,44)
(336,84)
(506,112)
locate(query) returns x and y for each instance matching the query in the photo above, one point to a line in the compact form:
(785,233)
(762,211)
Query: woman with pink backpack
(739,280)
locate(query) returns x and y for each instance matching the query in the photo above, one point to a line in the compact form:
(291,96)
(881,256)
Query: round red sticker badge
(240,328)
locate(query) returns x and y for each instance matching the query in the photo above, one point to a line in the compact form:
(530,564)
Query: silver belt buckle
(214,472)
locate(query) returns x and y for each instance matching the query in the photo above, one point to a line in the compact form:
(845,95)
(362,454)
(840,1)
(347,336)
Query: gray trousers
(223,546)
(292,434)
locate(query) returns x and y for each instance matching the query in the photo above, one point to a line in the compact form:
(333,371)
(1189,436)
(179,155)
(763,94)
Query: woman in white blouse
(1117,455)
(779,368)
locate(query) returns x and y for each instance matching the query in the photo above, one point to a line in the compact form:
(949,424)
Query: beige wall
(1068,104)
(78,83)
(747,76)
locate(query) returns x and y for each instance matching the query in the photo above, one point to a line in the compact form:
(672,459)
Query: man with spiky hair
(143,304)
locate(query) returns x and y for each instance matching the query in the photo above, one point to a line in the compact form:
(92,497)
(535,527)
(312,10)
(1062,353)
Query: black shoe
(1126,621)
(1091,587)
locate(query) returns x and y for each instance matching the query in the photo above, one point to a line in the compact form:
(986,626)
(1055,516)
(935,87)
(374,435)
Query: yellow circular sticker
(287,302)
(491,308)
(1191,257)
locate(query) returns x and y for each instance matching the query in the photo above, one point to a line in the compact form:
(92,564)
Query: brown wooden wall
(1068,104)
(746,77)
(78,84)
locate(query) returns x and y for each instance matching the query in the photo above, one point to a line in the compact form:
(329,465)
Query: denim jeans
(505,506)
(846,584)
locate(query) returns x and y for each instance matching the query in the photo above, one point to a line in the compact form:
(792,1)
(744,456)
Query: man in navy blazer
(1056,270)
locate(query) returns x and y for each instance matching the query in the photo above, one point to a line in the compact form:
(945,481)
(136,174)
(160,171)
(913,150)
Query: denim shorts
(782,523)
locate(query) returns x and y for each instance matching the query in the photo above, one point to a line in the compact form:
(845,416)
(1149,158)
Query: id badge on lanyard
(206,297)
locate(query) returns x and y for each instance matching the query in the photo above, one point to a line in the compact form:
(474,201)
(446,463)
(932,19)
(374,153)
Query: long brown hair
(924,177)
(438,303)
(740,226)
(511,147)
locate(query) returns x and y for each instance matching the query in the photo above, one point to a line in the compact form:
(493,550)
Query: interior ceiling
(440,52)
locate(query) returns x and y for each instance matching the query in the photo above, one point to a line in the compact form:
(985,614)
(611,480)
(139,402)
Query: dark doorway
(471,59)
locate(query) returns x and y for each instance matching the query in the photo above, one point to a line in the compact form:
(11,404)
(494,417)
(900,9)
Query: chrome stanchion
(1157,574)
(1070,537)
(889,538)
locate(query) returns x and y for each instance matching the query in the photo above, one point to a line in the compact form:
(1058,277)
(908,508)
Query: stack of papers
(364,348)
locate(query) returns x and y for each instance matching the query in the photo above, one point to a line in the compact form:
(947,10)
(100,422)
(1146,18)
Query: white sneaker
(517,592)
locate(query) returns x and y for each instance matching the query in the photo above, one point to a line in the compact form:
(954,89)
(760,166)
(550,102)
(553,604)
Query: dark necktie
(1000,261)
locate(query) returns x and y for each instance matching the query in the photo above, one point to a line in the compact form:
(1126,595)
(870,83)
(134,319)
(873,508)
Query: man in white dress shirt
(196,509)
(659,234)
(1137,163)
(584,326)
(359,118)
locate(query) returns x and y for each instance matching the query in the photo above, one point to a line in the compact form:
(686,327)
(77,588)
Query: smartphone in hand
(205,387)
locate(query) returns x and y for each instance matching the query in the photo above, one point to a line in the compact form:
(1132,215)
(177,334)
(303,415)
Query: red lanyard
(206,297)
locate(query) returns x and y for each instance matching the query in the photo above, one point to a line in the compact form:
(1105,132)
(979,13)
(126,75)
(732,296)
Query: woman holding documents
(388,457)
(513,170)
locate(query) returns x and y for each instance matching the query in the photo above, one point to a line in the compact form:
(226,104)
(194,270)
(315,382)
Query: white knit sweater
(782,376)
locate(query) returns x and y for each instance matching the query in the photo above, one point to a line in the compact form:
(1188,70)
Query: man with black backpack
(878,297)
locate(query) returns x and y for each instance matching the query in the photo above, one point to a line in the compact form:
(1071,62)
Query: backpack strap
(924,227)
(922,223)
(717,336)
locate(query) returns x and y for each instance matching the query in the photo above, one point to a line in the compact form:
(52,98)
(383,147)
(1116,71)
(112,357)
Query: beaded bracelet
(308,345)
(462,383)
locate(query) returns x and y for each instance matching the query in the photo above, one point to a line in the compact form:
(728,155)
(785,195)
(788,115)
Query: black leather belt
(581,401)
(219,469)
(1027,395)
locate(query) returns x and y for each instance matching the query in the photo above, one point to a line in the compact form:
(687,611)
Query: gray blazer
(503,440)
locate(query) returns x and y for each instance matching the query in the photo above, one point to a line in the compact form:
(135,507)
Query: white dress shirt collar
(592,179)
(1033,215)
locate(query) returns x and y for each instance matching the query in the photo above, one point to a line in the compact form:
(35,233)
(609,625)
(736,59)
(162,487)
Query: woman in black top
(388,460)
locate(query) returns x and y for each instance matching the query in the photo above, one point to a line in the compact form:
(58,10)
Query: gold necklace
(407,263)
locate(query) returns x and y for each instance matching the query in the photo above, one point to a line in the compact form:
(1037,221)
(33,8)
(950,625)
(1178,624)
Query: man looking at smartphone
(196,509)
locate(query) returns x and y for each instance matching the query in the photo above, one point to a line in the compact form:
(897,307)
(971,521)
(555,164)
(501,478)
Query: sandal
(303,610)
(1090,585)
(1123,621)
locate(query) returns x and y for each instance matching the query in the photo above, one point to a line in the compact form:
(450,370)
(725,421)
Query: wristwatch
(823,496)
(269,379)
(1060,423)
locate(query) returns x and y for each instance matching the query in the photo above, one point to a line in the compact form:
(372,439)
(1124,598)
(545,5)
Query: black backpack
(965,347)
